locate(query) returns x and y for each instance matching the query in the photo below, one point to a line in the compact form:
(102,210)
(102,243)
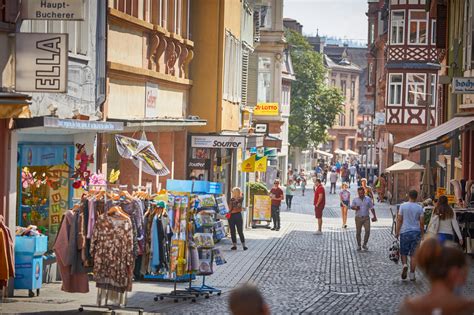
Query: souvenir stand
(192,242)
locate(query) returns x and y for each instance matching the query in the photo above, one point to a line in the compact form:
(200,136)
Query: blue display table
(29,252)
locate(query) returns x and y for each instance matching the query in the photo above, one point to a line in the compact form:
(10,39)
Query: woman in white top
(448,225)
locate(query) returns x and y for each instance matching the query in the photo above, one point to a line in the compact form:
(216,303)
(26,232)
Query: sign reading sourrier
(41,62)
(69,10)
(221,142)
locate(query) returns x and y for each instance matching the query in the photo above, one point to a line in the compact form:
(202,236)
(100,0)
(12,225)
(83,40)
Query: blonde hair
(344,185)
(236,190)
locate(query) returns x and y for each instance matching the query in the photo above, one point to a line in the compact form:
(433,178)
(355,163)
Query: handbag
(433,226)
(394,252)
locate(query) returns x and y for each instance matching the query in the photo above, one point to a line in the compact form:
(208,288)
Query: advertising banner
(220,142)
(248,165)
(261,165)
(151,96)
(266,109)
(41,62)
(262,208)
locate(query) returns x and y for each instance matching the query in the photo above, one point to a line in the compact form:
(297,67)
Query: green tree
(314,105)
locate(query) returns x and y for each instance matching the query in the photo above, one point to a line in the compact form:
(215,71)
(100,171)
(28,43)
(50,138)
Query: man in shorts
(410,228)
(319,204)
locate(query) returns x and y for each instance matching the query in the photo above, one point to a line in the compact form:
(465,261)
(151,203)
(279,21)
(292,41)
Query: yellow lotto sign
(261,165)
(249,164)
(266,109)
(440,191)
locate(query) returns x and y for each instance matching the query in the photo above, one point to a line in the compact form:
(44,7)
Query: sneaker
(233,248)
(359,248)
(345,226)
(277,229)
(412,276)
(245,247)
(364,247)
(404,272)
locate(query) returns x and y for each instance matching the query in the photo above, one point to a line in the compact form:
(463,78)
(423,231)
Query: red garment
(320,190)
(278,193)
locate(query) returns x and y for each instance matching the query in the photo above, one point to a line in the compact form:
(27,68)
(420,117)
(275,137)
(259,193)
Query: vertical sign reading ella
(41,62)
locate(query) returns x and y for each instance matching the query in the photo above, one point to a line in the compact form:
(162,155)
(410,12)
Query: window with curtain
(418,27)
(397,26)
(264,94)
(416,88)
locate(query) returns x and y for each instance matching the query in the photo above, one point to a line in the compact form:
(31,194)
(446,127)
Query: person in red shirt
(319,203)
(276,194)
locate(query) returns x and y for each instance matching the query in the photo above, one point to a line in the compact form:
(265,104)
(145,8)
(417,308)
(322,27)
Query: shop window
(418,27)
(397,33)
(395,89)
(416,88)
(264,79)
(44,186)
(232,69)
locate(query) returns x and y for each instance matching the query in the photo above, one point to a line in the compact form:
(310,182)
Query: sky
(339,18)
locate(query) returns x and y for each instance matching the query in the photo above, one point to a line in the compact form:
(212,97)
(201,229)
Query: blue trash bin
(29,252)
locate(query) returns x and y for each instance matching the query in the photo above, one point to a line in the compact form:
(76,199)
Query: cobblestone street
(297,271)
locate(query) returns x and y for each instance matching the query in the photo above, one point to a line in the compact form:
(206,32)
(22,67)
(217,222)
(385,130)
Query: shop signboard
(41,62)
(261,164)
(262,208)
(463,85)
(451,199)
(70,10)
(379,119)
(261,128)
(248,165)
(218,142)
(151,96)
(266,109)
(440,191)
(199,164)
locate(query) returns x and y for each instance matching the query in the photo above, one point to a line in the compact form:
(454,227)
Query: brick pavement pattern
(297,271)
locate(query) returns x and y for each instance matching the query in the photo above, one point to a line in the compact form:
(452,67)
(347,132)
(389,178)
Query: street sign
(463,85)
(70,10)
(379,119)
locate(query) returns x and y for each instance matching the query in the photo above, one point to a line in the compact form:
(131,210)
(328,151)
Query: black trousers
(236,221)
(276,216)
(288,199)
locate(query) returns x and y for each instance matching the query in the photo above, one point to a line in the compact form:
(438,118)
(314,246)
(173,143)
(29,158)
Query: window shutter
(252,80)
(11,11)
(256,24)
(467,35)
(245,76)
(441,25)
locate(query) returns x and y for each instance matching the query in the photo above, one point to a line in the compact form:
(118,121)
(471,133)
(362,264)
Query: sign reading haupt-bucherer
(41,62)
(69,10)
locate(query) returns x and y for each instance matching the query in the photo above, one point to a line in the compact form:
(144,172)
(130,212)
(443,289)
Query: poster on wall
(58,199)
(262,208)
(151,96)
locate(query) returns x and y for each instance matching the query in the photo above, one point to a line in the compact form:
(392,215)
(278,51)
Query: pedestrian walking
(333,177)
(303,184)
(290,190)
(367,189)
(345,199)
(443,223)
(353,174)
(381,186)
(276,194)
(447,270)
(363,205)
(247,300)
(319,204)
(236,221)
(410,229)
(325,174)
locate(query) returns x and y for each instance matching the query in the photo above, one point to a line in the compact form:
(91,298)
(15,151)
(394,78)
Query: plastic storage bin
(29,252)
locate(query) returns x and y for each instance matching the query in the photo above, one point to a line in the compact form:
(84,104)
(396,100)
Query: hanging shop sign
(52,122)
(248,165)
(218,142)
(262,208)
(151,96)
(440,191)
(379,119)
(199,164)
(261,128)
(41,62)
(463,85)
(70,10)
(261,164)
(266,109)
(451,199)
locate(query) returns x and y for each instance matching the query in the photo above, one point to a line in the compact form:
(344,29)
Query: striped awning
(434,136)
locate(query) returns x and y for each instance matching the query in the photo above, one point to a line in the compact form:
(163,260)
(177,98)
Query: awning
(340,152)
(405,166)
(152,124)
(53,125)
(434,136)
(350,152)
(14,105)
(324,153)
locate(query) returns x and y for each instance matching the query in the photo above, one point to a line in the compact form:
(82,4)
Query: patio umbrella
(340,152)
(350,152)
(141,150)
(404,167)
